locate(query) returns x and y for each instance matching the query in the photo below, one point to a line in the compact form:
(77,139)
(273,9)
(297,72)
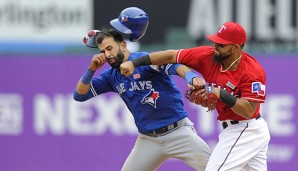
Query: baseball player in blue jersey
(154,101)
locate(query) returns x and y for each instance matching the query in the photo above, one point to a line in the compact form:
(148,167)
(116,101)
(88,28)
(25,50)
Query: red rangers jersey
(247,81)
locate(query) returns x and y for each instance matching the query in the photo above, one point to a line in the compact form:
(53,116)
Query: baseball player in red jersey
(239,82)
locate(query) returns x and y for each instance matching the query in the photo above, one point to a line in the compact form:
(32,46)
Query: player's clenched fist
(98,61)
(127,68)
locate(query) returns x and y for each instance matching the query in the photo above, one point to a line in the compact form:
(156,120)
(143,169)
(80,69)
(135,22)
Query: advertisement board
(43,129)
(34,21)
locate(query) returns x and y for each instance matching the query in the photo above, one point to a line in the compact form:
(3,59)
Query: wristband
(87,76)
(227,98)
(189,76)
(144,60)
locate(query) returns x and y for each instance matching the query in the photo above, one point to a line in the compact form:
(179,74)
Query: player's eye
(221,45)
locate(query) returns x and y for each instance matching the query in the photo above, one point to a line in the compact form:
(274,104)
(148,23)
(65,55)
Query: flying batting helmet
(132,21)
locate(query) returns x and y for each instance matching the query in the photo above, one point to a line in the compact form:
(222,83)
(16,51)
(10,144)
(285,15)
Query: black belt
(162,130)
(225,123)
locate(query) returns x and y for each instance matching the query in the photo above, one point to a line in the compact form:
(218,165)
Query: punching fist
(127,68)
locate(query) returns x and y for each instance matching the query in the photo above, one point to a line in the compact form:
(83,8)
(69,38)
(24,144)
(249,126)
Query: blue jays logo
(124,18)
(151,98)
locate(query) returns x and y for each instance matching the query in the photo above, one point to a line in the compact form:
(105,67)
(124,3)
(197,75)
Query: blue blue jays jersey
(149,93)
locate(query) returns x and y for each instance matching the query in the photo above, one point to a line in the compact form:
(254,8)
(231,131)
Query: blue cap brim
(120,27)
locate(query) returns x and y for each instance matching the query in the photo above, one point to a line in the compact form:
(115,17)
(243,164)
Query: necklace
(230,65)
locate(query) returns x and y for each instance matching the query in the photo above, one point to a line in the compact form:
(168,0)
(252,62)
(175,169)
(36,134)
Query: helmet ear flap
(90,39)
(133,37)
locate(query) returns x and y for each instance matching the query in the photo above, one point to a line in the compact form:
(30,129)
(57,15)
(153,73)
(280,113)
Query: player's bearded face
(221,56)
(115,62)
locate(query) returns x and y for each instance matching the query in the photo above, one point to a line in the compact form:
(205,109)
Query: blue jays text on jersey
(150,93)
(135,85)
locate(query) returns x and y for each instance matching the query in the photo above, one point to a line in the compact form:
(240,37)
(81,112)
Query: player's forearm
(240,106)
(244,108)
(186,73)
(82,88)
(182,70)
(83,85)
(156,58)
(163,57)
(82,92)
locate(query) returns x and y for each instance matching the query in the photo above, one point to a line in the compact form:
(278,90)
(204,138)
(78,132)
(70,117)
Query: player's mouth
(111,59)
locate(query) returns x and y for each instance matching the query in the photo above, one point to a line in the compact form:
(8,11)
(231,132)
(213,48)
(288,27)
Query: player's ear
(123,46)
(238,46)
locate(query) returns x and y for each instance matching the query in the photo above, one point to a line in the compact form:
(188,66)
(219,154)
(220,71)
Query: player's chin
(114,65)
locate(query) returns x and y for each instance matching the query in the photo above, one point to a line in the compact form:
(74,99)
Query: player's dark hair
(109,32)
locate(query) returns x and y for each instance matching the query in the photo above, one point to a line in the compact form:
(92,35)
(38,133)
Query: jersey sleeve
(101,84)
(254,89)
(169,69)
(197,58)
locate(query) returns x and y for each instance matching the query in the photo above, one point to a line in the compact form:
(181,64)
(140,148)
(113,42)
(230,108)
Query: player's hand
(127,68)
(98,61)
(206,97)
(197,83)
